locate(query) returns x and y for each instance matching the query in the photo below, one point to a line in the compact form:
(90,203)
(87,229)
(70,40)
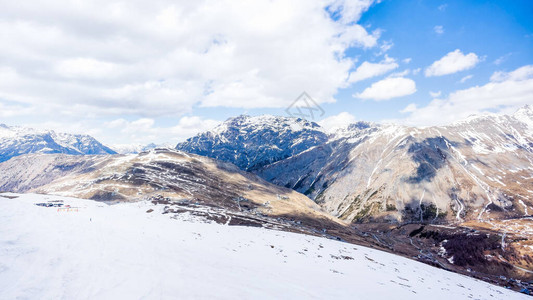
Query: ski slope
(97,251)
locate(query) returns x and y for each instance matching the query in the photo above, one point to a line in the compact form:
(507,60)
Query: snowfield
(98,251)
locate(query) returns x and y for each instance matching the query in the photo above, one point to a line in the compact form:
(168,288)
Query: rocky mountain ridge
(156,174)
(478,168)
(253,142)
(15,141)
(471,179)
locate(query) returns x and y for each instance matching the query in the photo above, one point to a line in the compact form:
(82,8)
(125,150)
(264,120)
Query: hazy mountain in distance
(133,148)
(15,141)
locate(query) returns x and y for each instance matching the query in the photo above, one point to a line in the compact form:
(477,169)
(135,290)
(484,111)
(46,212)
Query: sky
(136,72)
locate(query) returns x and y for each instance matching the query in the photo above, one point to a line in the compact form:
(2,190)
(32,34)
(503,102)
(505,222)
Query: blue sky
(491,29)
(494,30)
(160,71)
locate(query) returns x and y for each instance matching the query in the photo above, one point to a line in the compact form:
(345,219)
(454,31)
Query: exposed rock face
(481,167)
(16,141)
(253,142)
(478,168)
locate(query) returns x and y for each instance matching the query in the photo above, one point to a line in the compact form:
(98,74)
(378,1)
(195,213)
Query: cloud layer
(340,120)
(163,57)
(143,129)
(504,92)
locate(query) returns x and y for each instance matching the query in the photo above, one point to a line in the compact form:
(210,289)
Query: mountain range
(459,197)
(15,141)
(478,168)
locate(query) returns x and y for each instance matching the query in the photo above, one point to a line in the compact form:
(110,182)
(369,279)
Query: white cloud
(388,88)
(140,131)
(504,92)
(13,110)
(144,130)
(518,74)
(191,125)
(400,74)
(467,77)
(416,71)
(86,68)
(406,60)
(163,57)
(337,121)
(439,29)
(435,94)
(368,70)
(502,59)
(384,47)
(443,7)
(409,108)
(139,125)
(452,62)
(349,11)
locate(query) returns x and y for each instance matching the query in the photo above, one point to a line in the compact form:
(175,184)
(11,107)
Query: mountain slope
(15,141)
(253,142)
(104,251)
(160,174)
(478,168)
(475,169)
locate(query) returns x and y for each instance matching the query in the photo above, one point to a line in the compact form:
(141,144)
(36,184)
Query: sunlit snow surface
(123,252)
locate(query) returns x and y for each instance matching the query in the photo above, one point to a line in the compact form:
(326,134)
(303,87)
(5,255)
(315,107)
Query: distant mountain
(475,175)
(15,141)
(133,148)
(253,142)
(478,168)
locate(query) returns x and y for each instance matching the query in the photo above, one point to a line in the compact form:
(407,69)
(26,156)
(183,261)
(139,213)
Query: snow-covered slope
(131,251)
(16,141)
(253,142)
(478,168)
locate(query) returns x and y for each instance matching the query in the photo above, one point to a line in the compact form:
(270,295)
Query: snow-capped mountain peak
(252,142)
(369,162)
(16,140)
(525,115)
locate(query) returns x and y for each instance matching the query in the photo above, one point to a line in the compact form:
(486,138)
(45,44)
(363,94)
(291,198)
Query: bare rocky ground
(476,249)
